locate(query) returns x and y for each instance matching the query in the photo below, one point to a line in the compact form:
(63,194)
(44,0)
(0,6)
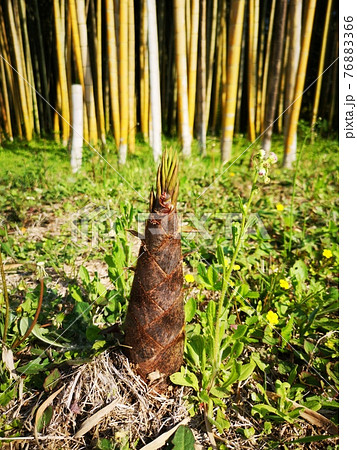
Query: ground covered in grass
(277,385)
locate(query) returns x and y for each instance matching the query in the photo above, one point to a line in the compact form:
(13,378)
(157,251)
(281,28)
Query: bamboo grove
(189,68)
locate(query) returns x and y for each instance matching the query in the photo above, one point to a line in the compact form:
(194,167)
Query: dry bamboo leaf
(311,416)
(11,267)
(42,408)
(71,392)
(97,417)
(8,360)
(162,439)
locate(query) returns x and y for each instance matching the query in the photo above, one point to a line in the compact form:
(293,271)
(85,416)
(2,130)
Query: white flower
(272,158)
(262,172)
(261,153)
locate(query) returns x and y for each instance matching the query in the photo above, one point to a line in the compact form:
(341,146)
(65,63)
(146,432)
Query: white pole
(77,123)
(154,76)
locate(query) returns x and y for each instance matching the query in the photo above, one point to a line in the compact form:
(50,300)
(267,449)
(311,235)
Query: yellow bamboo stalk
(99,68)
(18,25)
(4,91)
(220,79)
(181,67)
(201,94)
(13,90)
(62,74)
(33,107)
(144,73)
(283,81)
(131,76)
(240,84)
(266,64)
(42,69)
(234,53)
(123,79)
(68,57)
(212,47)
(4,86)
(106,101)
(321,66)
(76,41)
(252,66)
(260,69)
(300,80)
(56,117)
(295,20)
(224,61)
(188,26)
(192,61)
(113,70)
(19,67)
(87,71)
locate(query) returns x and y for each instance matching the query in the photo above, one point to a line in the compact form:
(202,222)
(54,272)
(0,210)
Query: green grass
(286,334)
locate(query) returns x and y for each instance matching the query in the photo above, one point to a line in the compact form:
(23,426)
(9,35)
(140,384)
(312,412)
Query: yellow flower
(189,278)
(284,284)
(272,318)
(327,253)
(232,174)
(19,309)
(226,262)
(236,267)
(280,207)
(330,344)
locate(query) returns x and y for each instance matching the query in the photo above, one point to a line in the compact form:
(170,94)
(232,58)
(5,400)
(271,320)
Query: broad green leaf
(185,378)
(203,396)
(249,432)
(300,271)
(32,367)
(211,314)
(52,380)
(40,334)
(195,349)
(309,347)
(221,422)
(100,290)
(233,376)
(245,370)
(75,292)
(286,332)
(237,349)
(24,324)
(190,309)
(92,332)
(262,410)
(267,427)
(220,255)
(240,331)
(183,439)
(256,358)
(106,444)
(212,275)
(7,396)
(83,309)
(219,392)
(84,275)
(45,419)
(98,345)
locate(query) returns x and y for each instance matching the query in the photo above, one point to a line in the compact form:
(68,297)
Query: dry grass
(133,412)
